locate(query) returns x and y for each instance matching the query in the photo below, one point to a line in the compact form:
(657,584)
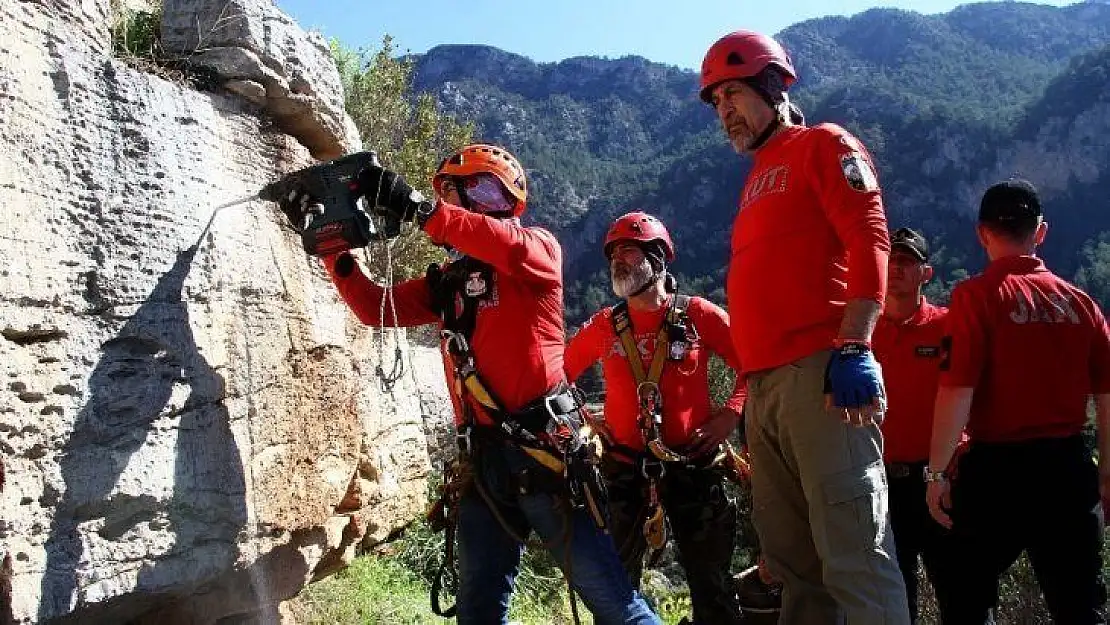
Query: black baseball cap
(1011,203)
(911,241)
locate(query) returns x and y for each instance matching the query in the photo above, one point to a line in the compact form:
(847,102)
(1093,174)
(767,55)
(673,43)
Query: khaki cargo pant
(819,497)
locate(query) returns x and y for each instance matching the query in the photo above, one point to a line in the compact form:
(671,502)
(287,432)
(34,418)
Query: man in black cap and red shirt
(907,344)
(1026,351)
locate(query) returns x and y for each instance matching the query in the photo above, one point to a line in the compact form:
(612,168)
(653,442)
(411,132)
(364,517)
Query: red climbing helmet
(743,54)
(641,227)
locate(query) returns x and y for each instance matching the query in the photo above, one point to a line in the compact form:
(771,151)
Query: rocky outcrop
(190,423)
(259,53)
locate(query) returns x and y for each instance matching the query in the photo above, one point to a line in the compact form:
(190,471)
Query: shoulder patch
(858,172)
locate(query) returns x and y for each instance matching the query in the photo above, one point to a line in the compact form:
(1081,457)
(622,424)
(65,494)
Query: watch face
(424,210)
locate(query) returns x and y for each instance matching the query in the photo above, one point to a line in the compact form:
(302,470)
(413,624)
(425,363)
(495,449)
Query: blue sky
(674,31)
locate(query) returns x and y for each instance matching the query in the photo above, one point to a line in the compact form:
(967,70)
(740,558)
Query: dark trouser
(916,533)
(489,556)
(1041,497)
(703,523)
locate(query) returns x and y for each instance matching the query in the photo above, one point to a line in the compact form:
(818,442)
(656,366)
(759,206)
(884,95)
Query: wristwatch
(934,476)
(424,212)
(839,343)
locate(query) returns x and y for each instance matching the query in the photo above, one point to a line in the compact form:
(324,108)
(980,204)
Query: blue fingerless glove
(853,376)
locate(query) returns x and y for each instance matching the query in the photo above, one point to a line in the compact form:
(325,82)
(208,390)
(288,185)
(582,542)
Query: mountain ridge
(947,103)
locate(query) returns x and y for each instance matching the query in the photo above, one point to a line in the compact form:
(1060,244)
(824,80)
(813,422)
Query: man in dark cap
(1026,350)
(907,344)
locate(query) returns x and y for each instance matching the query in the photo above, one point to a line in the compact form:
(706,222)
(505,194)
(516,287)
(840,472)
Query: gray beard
(741,145)
(632,281)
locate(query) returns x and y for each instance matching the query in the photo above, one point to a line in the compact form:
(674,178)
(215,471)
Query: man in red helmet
(519,428)
(806,281)
(664,437)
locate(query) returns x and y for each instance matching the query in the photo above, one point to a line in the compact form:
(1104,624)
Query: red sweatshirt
(518,334)
(811,234)
(684,385)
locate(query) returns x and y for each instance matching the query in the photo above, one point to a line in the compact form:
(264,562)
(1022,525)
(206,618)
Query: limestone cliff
(190,423)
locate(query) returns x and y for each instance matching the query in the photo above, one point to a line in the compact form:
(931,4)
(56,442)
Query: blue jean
(489,558)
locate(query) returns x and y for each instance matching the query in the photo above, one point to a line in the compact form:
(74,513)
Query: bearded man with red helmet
(499,307)
(806,281)
(664,459)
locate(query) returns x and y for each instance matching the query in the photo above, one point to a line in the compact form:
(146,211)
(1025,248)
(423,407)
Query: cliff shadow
(149,370)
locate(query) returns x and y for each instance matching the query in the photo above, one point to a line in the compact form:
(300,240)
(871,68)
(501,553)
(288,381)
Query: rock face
(258,52)
(190,424)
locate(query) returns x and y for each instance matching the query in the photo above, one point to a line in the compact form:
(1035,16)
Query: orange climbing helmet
(482,158)
(641,227)
(740,55)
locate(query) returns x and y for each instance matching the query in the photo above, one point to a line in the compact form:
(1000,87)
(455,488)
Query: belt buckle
(898,470)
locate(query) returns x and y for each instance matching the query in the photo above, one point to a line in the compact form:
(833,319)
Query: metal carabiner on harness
(648,394)
(652,469)
(651,420)
(459,347)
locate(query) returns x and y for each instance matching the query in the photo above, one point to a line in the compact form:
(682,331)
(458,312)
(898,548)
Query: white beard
(633,280)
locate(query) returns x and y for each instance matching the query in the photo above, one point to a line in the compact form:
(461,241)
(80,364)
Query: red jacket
(684,385)
(810,235)
(518,336)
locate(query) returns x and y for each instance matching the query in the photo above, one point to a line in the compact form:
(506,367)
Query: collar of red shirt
(780,136)
(1016,265)
(925,312)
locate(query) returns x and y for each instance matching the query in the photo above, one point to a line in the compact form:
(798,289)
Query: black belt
(533,417)
(902,470)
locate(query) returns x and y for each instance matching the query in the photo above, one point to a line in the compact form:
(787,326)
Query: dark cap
(912,242)
(1011,202)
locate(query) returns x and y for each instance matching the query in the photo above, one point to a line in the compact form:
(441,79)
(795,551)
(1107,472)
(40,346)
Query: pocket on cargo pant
(854,515)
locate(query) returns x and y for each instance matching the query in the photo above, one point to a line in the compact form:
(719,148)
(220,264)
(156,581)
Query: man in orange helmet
(664,449)
(806,282)
(519,428)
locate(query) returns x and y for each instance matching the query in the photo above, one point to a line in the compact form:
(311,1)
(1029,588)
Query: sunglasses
(483,192)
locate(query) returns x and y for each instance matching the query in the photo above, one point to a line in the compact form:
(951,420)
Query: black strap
(447,284)
(447,564)
(772,126)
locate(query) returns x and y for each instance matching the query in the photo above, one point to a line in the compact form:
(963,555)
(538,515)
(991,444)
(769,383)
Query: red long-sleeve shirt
(518,334)
(810,234)
(684,386)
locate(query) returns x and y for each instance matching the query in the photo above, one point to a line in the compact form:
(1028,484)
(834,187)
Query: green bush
(136,34)
(407,131)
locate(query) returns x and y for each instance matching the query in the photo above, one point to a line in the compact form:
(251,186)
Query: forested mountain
(947,104)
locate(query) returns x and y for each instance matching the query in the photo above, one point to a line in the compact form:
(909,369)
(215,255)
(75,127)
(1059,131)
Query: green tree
(1093,275)
(407,130)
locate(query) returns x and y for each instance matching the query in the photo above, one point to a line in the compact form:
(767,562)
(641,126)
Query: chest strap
(670,343)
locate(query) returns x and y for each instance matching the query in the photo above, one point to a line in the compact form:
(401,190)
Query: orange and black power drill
(339,220)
